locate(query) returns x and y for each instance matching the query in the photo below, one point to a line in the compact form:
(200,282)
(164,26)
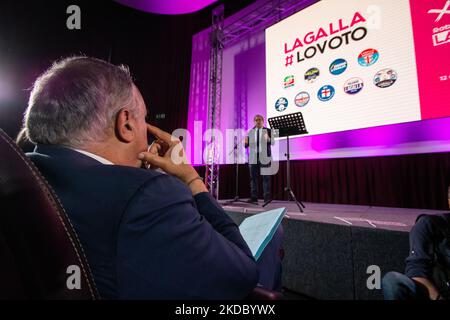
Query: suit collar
(65,154)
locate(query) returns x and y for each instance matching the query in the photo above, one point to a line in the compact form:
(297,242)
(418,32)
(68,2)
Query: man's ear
(124,128)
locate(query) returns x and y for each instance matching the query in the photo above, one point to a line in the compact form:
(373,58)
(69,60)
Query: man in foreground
(147,234)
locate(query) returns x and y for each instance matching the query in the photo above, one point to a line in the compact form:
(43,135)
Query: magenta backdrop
(167,6)
(243,95)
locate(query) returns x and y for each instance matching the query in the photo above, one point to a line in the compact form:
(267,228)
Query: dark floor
(292,295)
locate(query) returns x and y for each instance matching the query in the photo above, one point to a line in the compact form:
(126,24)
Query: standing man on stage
(259,141)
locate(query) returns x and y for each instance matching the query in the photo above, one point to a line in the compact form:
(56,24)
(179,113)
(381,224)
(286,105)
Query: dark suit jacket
(252,145)
(144,234)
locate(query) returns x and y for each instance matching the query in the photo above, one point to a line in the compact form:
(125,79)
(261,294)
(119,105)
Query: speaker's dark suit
(259,156)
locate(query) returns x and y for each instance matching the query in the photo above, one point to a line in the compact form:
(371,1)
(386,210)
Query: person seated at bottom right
(427,274)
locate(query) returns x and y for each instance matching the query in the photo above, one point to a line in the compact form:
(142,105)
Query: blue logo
(326,93)
(281,104)
(338,67)
(353,85)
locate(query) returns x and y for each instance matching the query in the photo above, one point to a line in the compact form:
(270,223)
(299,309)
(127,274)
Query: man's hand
(158,147)
(168,154)
(266,137)
(432,291)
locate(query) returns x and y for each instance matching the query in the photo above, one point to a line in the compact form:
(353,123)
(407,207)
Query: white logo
(74,279)
(441,12)
(374,280)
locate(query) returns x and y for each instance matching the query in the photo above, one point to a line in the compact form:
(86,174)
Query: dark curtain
(157,48)
(409,181)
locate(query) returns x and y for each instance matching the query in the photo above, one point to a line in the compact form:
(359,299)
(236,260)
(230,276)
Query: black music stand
(289,125)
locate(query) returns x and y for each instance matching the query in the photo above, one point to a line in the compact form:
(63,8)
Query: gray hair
(76,101)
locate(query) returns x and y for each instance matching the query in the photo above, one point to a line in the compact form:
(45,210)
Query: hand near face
(167,153)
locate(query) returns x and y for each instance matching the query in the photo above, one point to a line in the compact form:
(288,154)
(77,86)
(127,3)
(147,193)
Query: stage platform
(329,248)
(398,219)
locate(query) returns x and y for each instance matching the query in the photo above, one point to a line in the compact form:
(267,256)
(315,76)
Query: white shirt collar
(94,156)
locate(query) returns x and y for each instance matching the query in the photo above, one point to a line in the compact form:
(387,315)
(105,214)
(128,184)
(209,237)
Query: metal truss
(264,14)
(215,101)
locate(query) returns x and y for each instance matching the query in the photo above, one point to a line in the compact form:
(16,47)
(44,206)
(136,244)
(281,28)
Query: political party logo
(353,85)
(441,12)
(289,81)
(311,75)
(385,78)
(326,93)
(368,57)
(302,99)
(281,104)
(338,67)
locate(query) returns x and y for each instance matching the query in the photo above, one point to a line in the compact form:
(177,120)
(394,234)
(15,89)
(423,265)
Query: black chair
(38,244)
